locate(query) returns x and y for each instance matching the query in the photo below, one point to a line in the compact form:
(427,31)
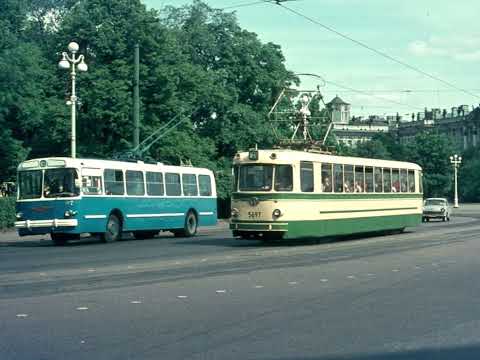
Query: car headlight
(276,213)
(442,210)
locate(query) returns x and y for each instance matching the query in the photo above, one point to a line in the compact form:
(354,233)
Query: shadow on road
(451,353)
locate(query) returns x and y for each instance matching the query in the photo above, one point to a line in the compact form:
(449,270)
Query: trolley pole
(455,160)
(136,99)
(69,63)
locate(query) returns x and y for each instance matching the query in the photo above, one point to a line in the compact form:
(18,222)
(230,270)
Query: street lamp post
(69,63)
(456,161)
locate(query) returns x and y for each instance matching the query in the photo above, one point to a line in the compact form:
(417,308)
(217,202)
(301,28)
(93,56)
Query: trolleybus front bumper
(51,223)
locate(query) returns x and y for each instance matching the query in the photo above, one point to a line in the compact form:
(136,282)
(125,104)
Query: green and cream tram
(289,194)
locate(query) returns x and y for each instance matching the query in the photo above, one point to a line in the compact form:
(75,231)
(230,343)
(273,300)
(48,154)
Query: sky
(439,37)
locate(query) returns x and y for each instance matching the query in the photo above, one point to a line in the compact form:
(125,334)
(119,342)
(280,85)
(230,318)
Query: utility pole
(136,98)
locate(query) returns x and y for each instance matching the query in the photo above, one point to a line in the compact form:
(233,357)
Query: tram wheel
(113,232)
(189,228)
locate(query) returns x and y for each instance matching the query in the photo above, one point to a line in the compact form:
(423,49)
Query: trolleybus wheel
(190,226)
(144,234)
(113,231)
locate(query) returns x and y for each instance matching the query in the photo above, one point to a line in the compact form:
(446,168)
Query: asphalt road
(414,295)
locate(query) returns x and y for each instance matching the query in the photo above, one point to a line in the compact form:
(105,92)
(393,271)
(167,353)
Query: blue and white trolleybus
(65,197)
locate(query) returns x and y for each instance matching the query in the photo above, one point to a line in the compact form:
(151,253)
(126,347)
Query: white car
(436,208)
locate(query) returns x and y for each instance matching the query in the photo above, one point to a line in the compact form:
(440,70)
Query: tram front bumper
(253,226)
(51,223)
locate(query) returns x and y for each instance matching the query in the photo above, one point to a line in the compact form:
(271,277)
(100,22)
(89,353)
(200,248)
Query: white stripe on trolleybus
(206,213)
(95,216)
(153,215)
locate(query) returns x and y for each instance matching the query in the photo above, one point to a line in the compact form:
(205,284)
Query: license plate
(254,214)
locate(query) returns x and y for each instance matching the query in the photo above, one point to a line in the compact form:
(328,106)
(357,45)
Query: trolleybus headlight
(19,215)
(235,212)
(70,213)
(276,213)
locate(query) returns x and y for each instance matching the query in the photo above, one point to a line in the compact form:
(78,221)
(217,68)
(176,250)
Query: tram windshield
(256,177)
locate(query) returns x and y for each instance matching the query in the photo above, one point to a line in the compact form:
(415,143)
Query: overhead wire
(378,52)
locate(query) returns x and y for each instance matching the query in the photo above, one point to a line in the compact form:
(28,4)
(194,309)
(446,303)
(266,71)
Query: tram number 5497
(254,214)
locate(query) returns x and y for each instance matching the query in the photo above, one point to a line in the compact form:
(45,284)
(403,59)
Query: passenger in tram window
(396,186)
(326,184)
(358,187)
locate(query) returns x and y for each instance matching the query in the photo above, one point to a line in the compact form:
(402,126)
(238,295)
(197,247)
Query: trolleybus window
(30,184)
(172,183)
(403,180)
(135,184)
(348,184)
(189,182)
(368,179)
(395,180)
(91,185)
(154,183)
(205,185)
(338,177)
(60,183)
(256,177)
(411,181)
(378,179)
(306,176)
(113,182)
(327,177)
(387,180)
(359,179)
(283,178)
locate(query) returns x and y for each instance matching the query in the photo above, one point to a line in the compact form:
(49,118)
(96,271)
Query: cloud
(459,48)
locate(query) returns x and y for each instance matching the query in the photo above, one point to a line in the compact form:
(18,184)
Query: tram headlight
(235,212)
(276,213)
(70,213)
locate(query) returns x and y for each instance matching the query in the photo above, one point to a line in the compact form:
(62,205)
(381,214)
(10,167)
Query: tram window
(327,177)
(395,180)
(135,184)
(154,183)
(256,177)
(359,179)
(403,180)
(348,183)
(420,181)
(235,178)
(172,184)
(411,181)
(113,182)
(378,179)
(368,179)
(387,180)
(306,176)
(205,185)
(338,177)
(189,182)
(283,178)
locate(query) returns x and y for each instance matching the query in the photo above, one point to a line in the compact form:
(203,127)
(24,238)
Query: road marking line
(91,270)
(221,291)
(324,280)
(22,315)
(258,286)
(292,283)
(395,270)
(351,276)
(182,296)
(370,274)
(82,308)
(203,260)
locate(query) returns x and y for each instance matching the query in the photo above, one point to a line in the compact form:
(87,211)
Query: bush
(7,212)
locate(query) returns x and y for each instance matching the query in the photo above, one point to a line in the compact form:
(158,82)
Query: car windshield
(256,177)
(60,183)
(435,202)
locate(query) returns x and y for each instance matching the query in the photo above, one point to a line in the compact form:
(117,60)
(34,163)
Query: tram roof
(283,156)
(59,162)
